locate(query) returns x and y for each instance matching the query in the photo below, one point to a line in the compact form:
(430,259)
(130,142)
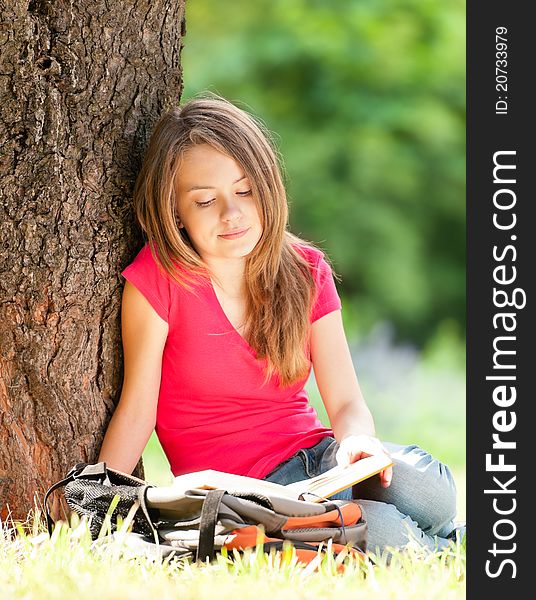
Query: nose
(230,209)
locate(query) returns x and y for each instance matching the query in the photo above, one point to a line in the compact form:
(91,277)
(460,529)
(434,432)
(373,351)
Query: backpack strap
(96,471)
(142,499)
(207,527)
(71,476)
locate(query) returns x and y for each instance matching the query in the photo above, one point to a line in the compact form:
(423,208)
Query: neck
(228,275)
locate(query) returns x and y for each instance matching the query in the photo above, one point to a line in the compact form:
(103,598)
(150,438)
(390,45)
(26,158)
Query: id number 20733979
(501,70)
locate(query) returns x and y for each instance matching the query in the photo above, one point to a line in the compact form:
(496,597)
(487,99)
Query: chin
(243,249)
(246,250)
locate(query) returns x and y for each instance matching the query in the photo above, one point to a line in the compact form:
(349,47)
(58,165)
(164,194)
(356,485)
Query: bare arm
(336,378)
(349,415)
(144,335)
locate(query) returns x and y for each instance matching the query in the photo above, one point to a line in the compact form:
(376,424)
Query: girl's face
(214,200)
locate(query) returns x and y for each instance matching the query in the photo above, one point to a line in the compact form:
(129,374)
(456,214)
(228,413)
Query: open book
(312,490)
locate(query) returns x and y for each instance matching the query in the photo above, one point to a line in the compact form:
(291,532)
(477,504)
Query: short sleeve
(144,273)
(326,298)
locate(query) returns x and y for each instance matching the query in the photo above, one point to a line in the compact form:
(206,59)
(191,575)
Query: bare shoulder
(140,323)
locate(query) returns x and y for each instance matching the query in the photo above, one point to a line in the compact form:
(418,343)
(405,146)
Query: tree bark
(81,84)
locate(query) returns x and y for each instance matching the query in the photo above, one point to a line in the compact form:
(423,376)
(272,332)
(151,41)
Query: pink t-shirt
(213,411)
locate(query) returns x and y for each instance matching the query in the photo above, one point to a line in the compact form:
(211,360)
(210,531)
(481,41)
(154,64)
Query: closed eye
(207,203)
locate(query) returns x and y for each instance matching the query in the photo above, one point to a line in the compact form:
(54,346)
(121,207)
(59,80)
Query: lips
(234,234)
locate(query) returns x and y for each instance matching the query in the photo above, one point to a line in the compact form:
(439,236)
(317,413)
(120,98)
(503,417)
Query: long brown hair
(279,284)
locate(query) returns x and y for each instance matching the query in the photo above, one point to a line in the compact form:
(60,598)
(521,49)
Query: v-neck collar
(226,320)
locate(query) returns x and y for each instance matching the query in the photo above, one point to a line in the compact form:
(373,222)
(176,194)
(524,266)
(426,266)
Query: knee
(388,528)
(446,491)
(431,484)
(442,501)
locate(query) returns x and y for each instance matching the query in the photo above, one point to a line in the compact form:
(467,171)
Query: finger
(345,456)
(357,455)
(386,476)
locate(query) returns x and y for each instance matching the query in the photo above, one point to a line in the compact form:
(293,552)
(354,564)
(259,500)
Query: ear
(181,226)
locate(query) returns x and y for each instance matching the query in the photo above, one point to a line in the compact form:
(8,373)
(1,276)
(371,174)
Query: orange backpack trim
(351,514)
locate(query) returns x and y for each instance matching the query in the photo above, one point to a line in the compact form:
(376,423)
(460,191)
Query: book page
(339,478)
(211,479)
(324,485)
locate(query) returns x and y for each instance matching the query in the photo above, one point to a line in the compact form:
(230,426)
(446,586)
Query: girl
(224,312)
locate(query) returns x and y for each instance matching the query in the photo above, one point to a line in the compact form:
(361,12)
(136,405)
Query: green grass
(68,564)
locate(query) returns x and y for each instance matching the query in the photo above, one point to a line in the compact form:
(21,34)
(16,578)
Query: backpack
(197,523)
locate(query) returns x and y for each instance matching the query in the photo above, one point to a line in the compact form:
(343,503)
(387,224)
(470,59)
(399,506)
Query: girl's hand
(356,447)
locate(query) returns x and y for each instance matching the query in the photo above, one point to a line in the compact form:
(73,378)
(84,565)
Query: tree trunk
(81,84)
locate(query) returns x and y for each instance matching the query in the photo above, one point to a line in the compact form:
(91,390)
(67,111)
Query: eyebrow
(210,187)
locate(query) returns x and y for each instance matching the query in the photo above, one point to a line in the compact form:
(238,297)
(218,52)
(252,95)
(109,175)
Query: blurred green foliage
(367,101)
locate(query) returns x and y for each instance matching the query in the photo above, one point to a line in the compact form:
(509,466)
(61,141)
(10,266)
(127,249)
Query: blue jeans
(419,504)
